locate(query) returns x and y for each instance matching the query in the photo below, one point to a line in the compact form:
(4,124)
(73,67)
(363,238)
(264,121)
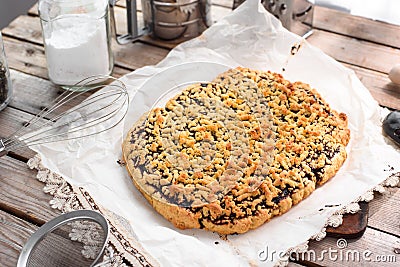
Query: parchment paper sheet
(253,38)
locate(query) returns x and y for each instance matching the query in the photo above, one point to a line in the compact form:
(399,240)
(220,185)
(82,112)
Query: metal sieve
(77,238)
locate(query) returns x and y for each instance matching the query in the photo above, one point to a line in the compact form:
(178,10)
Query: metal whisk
(97,113)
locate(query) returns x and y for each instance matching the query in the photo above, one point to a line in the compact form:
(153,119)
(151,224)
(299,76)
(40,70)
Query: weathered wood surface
(374,248)
(22,194)
(384,212)
(350,50)
(14,238)
(368,47)
(356,27)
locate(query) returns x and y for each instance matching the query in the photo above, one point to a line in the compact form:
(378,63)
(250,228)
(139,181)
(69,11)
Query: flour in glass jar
(76,48)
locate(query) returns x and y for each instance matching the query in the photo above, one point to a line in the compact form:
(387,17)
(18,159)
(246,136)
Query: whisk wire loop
(97,113)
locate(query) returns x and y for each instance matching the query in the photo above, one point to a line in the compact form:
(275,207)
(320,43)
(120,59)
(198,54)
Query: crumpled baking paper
(253,38)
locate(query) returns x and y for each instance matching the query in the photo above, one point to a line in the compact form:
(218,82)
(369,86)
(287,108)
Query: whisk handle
(3,150)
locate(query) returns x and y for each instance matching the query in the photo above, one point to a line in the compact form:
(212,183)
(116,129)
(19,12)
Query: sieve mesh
(77,238)
(60,248)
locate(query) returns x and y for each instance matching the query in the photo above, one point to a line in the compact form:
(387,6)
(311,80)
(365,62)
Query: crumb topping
(250,144)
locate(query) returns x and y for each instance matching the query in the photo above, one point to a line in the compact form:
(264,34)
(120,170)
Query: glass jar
(5,81)
(77,39)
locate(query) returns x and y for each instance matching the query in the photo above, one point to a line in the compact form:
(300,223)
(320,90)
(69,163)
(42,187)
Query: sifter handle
(132,21)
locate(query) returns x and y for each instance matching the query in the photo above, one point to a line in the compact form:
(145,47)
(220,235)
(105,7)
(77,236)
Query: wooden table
(370,48)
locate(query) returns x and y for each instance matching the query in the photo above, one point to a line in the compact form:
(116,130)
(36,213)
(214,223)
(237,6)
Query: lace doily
(125,249)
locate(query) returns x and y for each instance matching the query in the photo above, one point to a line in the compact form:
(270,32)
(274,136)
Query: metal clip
(134,32)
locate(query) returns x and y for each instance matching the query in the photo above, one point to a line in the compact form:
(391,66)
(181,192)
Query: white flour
(76,48)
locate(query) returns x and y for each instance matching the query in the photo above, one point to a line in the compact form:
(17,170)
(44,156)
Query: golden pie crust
(228,156)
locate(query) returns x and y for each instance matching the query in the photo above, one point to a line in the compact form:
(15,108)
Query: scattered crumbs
(391,168)
(216,242)
(223,237)
(121,162)
(253,263)
(332,205)
(295,48)
(283,69)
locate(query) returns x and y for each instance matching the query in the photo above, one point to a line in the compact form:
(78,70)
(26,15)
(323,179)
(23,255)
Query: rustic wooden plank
(369,247)
(223,3)
(356,52)
(137,55)
(26,28)
(25,57)
(22,194)
(358,27)
(384,211)
(382,89)
(44,93)
(12,120)
(9,253)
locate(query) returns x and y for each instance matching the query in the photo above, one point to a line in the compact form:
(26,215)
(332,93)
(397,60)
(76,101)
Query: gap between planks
(8,253)
(357,27)
(22,194)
